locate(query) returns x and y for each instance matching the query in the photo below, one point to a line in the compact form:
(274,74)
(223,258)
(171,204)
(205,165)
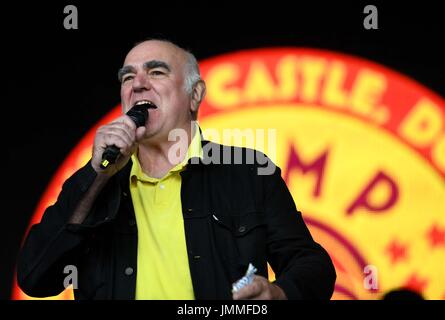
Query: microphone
(139,115)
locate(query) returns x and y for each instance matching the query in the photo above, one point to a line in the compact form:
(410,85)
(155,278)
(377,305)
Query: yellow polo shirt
(163,269)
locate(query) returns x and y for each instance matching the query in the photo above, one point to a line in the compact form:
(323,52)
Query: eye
(157,72)
(127,77)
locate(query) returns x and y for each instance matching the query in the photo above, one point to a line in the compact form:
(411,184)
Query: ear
(198,94)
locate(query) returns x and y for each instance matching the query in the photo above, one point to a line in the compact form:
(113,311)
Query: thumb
(140,133)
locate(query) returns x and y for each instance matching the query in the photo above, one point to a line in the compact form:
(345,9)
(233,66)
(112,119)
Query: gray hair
(192,75)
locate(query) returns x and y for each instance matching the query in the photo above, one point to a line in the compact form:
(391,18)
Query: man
(169,220)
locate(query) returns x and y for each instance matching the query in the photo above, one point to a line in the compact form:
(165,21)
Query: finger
(121,131)
(140,133)
(129,126)
(250,291)
(111,139)
(127,121)
(265,294)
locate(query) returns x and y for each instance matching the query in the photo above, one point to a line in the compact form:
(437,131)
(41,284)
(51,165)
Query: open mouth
(147,103)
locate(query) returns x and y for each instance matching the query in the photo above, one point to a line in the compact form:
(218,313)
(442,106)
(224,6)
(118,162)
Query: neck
(157,158)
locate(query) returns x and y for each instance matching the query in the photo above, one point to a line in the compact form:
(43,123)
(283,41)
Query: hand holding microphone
(115,142)
(139,115)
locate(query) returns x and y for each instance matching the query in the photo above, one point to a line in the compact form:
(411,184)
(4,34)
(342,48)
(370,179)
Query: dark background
(58,83)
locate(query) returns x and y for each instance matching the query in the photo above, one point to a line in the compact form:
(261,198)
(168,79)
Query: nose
(141,82)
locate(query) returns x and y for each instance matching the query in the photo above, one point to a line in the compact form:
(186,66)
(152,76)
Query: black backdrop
(58,83)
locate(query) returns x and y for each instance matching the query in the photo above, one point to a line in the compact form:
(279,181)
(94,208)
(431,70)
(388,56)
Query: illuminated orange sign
(361,147)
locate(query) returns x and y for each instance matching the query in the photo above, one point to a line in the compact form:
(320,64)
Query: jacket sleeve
(53,244)
(303,268)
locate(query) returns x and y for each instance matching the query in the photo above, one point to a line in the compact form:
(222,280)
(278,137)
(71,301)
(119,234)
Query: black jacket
(232,216)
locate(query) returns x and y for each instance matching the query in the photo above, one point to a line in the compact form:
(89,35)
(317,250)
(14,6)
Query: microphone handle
(109,156)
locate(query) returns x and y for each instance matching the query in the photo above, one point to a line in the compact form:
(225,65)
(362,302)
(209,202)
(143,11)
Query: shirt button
(242,229)
(129,271)
(162,186)
(131,222)
(124,194)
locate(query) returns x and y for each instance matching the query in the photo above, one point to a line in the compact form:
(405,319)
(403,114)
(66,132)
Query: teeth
(142,102)
(145,102)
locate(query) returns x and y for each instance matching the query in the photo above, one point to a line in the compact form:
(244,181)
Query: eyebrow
(156,64)
(147,65)
(124,70)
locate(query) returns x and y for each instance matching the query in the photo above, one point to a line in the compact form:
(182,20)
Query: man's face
(154,71)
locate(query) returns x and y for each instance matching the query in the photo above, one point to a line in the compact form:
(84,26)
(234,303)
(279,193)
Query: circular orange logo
(361,148)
